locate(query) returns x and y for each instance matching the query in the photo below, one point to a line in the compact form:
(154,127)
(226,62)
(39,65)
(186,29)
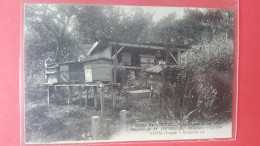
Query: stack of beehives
(147,60)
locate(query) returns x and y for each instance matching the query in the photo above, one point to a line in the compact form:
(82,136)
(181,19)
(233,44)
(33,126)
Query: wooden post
(173,58)
(123,121)
(48,97)
(102,100)
(81,94)
(188,56)
(95,97)
(115,66)
(113,97)
(160,98)
(151,93)
(179,57)
(58,88)
(95,127)
(70,92)
(50,90)
(86,100)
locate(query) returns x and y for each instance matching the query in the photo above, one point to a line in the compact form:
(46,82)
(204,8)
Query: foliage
(111,22)
(202,90)
(196,25)
(54,21)
(209,76)
(39,125)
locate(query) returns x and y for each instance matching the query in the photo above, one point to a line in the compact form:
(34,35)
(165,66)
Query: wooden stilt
(50,91)
(69,98)
(48,96)
(113,97)
(59,94)
(95,97)
(86,100)
(81,93)
(102,100)
(115,67)
(151,93)
(160,100)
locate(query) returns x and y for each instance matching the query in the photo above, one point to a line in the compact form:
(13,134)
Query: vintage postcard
(97,73)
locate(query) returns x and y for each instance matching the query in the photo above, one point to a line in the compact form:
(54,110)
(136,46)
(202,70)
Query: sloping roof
(93,47)
(151,46)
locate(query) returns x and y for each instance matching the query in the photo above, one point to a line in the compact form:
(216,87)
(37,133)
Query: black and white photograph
(110,73)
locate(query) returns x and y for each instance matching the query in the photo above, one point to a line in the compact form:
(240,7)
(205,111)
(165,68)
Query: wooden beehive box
(147,60)
(71,72)
(98,71)
(76,72)
(126,59)
(52,76)
(64,73)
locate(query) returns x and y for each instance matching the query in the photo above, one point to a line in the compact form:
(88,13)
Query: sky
(160,12)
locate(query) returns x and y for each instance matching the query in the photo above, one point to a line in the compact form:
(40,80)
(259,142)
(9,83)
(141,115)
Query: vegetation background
(65,32)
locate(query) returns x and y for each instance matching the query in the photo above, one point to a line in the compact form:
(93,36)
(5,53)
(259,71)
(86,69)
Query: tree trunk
(59,48)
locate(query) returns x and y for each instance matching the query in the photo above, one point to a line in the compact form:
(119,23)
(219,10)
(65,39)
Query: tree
(196,26)
(133,24)
(56,21)
(205,82)
(209,69)
(111,22)
(165,28)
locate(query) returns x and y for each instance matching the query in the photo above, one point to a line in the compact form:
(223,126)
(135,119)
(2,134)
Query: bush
(208,79)
(39,127)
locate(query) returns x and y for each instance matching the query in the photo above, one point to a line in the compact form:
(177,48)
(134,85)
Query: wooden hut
(104,60)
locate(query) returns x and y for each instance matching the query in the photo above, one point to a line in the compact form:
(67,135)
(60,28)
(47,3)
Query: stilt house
(104,58)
